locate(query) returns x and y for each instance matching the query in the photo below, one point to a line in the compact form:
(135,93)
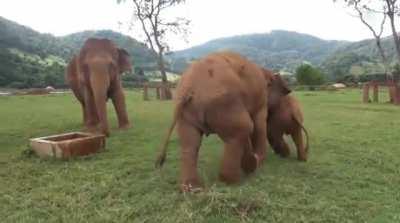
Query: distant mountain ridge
(278,49)
(14,35)
(32,59)
(285,50)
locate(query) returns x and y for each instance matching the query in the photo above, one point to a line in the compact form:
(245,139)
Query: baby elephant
(285,117)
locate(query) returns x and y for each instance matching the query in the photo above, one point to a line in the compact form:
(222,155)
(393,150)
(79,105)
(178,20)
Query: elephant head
(277,88)
(101,64)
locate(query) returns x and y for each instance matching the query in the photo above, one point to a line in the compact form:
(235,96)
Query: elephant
(285,117)
(224,94)
(94,75)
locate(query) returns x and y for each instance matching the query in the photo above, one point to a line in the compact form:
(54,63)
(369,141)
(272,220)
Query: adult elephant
(94,75)
(226,94)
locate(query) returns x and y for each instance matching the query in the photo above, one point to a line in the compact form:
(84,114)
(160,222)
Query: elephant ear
(281,84)
(124,61)
(268,75)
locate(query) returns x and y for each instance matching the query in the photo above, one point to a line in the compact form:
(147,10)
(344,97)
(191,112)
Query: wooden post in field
(163,92)
(158,92)
(366,93)
(168,91)
(145,92)
(392,91)
(375,91)
(396,97)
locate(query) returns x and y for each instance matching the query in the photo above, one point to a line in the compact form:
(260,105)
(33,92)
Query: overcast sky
(210,18)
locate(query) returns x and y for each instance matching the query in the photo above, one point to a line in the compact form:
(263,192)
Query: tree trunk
(165,89)
(395,35)
(161,67)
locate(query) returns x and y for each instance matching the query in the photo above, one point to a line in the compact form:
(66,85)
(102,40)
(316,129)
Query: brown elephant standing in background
(225,94)
(94,76)
(285,117)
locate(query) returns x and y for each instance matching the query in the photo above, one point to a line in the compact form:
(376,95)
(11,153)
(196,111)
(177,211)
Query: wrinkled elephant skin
(225,94)
(94,75)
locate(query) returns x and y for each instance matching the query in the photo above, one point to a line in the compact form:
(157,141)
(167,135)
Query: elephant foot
(230,178)
(276,151)
(191,186)
(124,126)
(259,159)
(106,133)
(91,129)
(284,153)
(302,158)
(250,163)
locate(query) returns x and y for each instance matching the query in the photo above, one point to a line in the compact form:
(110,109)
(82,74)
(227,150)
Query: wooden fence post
(396,96)
(145,92)
(375,92)
(158,95)
(366,93)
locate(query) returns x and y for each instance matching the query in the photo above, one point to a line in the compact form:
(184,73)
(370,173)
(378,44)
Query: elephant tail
(163,151)
(305,132)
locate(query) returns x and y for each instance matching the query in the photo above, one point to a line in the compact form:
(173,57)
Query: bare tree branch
(360,9)
(155,27)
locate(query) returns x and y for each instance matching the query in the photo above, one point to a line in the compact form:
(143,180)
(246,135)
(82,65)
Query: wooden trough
(68,145)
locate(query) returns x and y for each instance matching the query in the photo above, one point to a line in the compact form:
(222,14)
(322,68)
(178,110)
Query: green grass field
(353,172)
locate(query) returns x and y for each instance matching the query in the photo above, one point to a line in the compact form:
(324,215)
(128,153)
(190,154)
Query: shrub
(308,75)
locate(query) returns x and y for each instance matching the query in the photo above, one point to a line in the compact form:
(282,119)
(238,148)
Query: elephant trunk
(100,82)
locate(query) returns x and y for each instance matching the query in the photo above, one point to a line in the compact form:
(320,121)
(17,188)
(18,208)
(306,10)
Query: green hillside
(359,58)
(277,49)
(32,59)
(285,51)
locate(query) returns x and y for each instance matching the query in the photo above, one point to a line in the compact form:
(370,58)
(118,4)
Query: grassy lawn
(353,174)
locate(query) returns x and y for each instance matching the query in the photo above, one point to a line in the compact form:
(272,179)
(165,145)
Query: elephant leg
(278,143)
(237,156)
(80,97)
(90,113)
(118,99)
(284,148)
(190,141)
(297,137)
(249,161)
(273,141)
(235,129)
(84,114)
(258,137)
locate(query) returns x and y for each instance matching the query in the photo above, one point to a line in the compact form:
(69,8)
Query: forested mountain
(284,51)
(277,49)
(359,58)
(32,59)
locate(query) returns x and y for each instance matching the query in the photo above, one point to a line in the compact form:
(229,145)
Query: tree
(149,13)
(392,10)
(385,8)
(308,75)
(362,9)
